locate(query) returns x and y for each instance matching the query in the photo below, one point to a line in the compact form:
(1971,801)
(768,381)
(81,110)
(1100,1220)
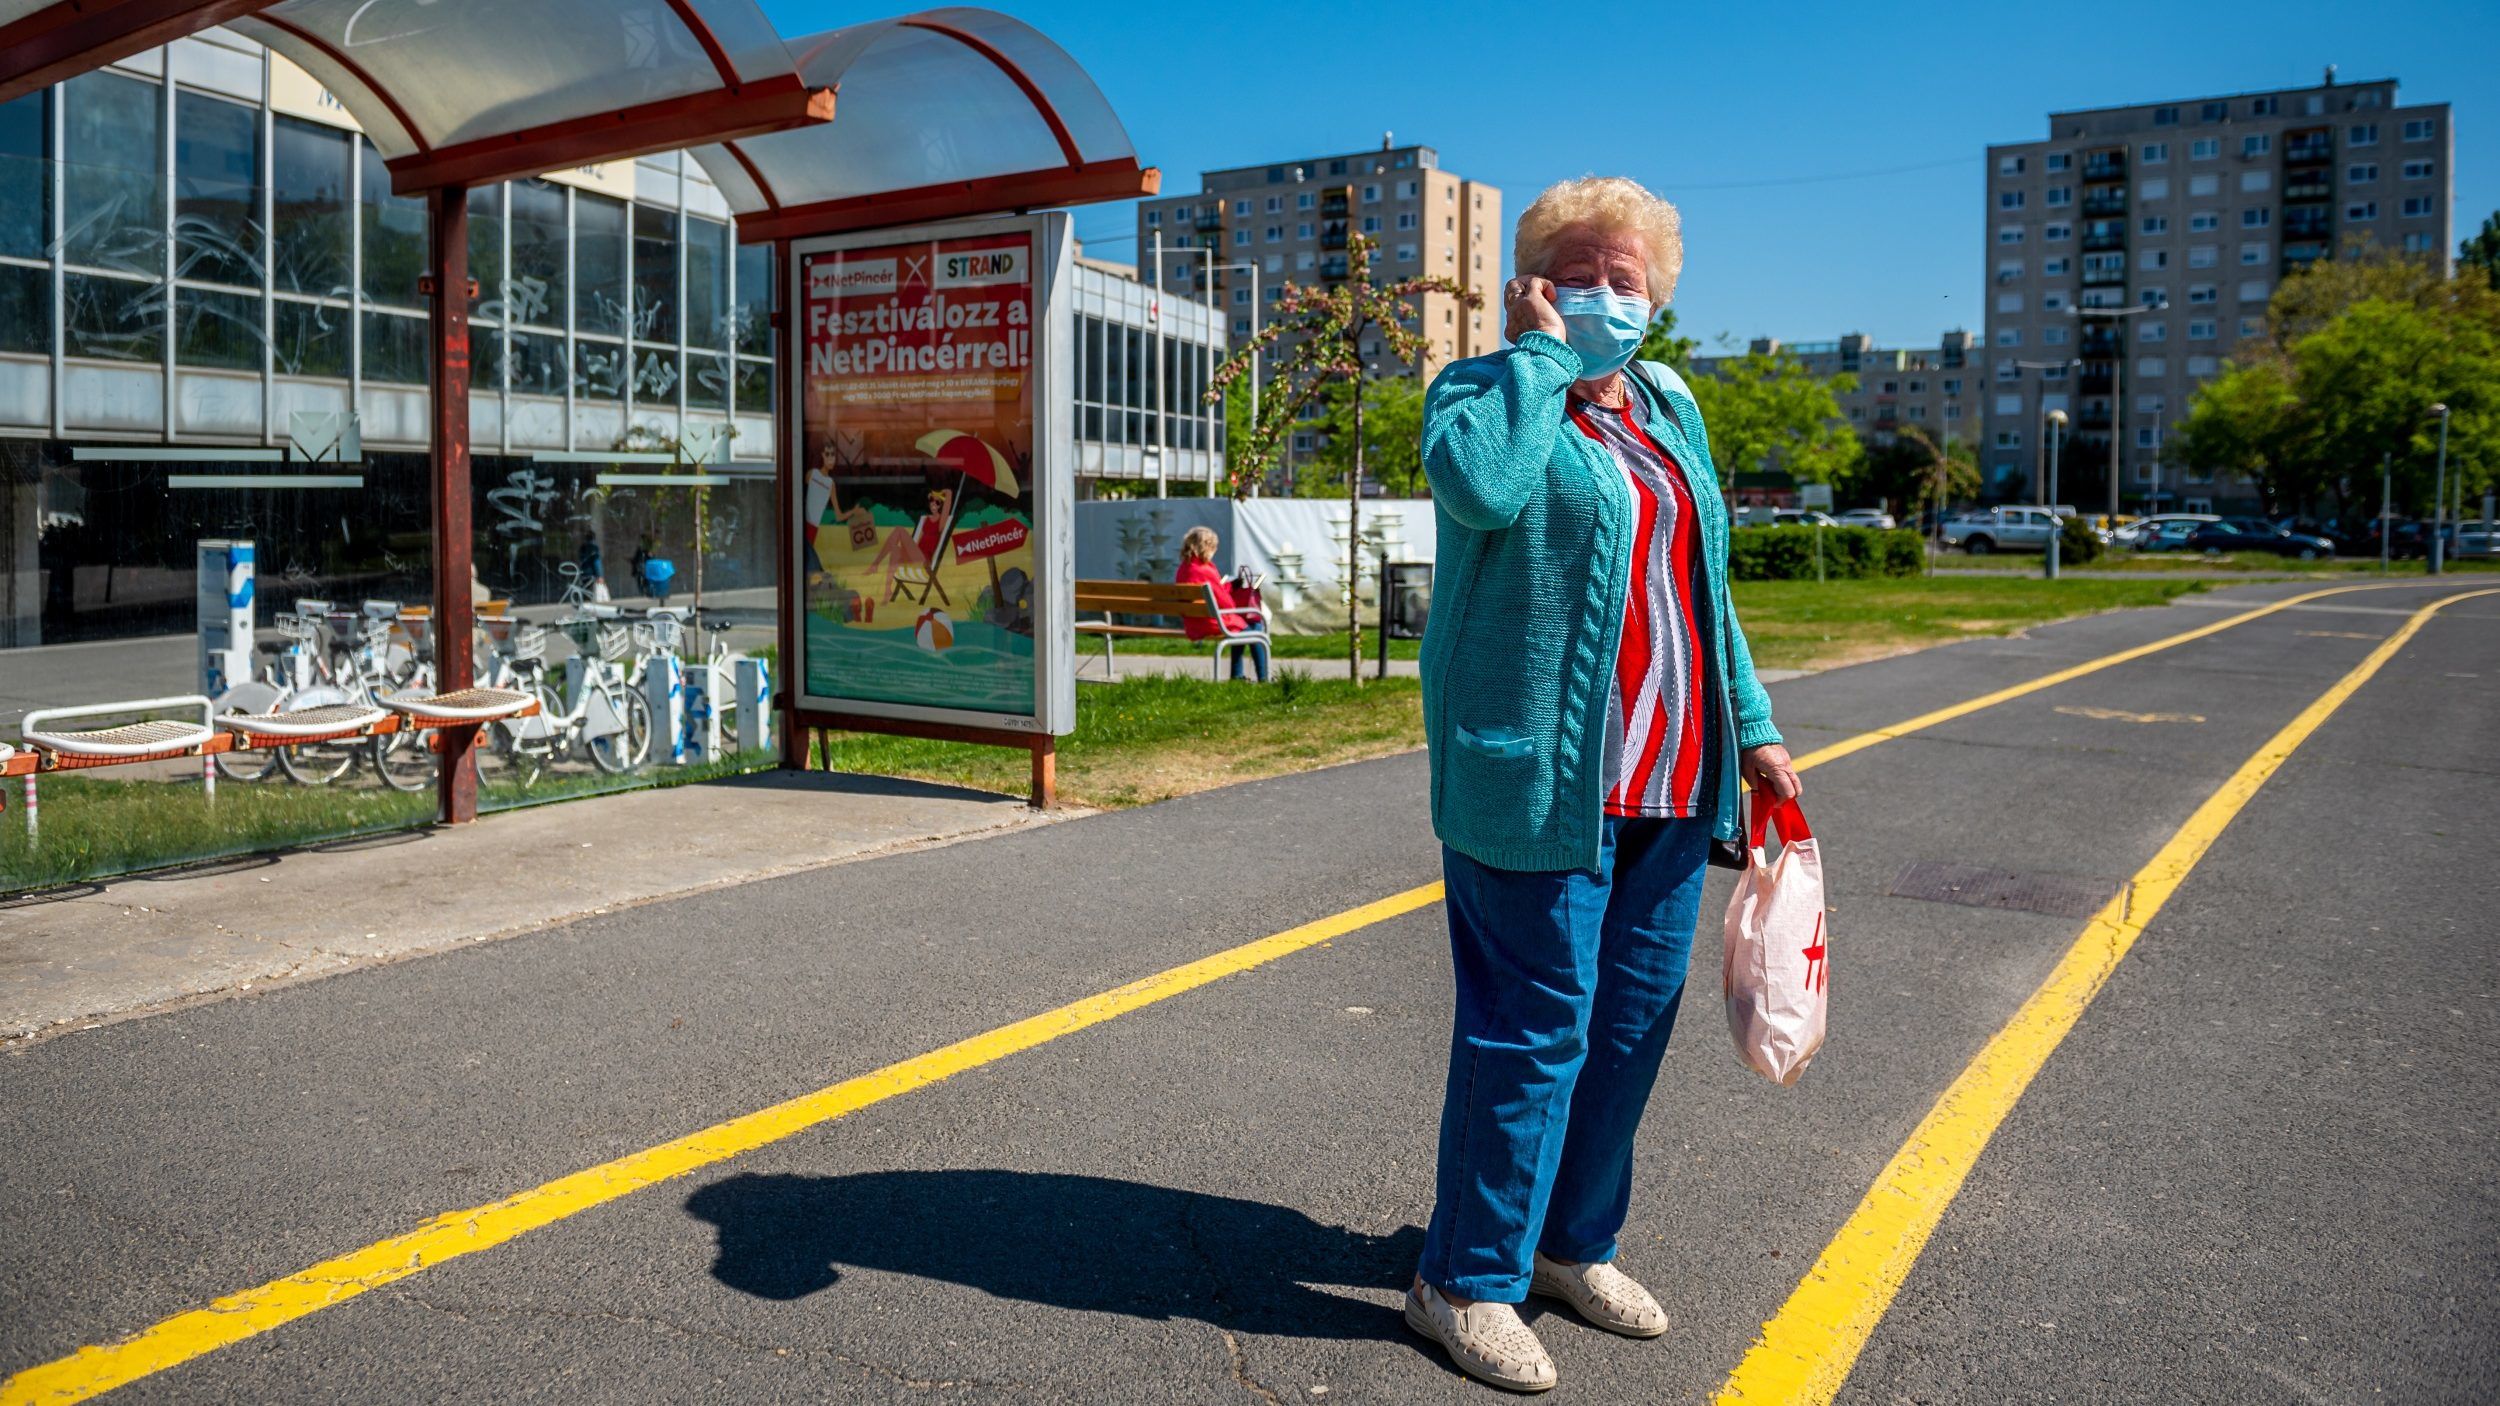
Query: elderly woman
(1590,704)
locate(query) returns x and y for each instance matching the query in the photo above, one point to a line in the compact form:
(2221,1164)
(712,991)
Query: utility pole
(2056,422)
(2386,505)
(2117,381)
(2439,494)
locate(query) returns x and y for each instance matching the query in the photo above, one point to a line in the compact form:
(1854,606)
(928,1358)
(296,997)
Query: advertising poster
(918,379)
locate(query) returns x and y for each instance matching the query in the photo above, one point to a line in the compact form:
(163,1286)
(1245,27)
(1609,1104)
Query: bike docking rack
(44,748)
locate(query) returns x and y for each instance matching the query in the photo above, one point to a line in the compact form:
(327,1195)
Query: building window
(2150,366)
(1241,296)
(1406,253)
(2204,148)
(2202,292)
(2361,210)
(2053,268)
(2256,217)
(2155,259)
(1153,218)
(2009,302)
(2201,256)
(1302,201)
(2053,335)
(2418,129)
(2256,144)
(2417,242)
(217,226)
(2253,290)
(1407,190)
(1302,230)
(2155,153)
(2255,251)
(2362,134)
(2253,182)
(2009,200)
(2009,165)
(2157,188)
(1275,263)
(2212,112)
(2204,221)
(2360,172)
(2058,161)
(2009,269)
(1275,234)
(2156,224)
(1406,219)
(1241,207)
(2009,337)
(2165,117)
(2009,234)
(2417,205)
(2263,107)
(1275,204)
(314,205)
(2150,331)
(2201,329)
(1371,194)
(2054,197)
(2418,170)
(1371,224)
(2010,439)
(1305,260)
(2207,184)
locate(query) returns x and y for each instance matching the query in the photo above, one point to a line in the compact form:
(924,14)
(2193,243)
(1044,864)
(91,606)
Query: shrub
(1787,553)
(2078,544)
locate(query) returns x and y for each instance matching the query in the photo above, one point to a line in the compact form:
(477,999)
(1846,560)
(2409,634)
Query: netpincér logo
(836,278)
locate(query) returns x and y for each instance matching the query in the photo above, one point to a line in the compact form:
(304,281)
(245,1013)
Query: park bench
(45,746)
(1163,600)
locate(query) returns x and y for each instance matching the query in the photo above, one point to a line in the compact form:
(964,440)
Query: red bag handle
(1784,815)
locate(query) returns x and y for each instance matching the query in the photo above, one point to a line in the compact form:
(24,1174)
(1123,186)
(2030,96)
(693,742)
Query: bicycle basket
(529,642)
(583,631)
(296,627)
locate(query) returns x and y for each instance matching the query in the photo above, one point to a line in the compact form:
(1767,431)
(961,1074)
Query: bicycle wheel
(317,763)
(256,696)
(623,751)
(404,761)
(521,761)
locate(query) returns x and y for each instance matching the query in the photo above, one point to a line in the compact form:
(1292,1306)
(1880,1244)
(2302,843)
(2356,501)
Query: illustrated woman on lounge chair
(910,558)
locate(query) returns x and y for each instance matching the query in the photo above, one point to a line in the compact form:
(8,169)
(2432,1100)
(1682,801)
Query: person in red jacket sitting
(1197,568)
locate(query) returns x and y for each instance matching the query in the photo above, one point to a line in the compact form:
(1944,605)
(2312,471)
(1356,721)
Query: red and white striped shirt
(1656,748)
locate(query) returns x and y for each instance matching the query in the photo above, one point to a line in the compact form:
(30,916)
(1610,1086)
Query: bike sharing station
(922,463)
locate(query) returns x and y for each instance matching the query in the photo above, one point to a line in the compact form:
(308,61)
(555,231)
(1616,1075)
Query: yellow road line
(91,1371)
(1806,1351)
(1924,721)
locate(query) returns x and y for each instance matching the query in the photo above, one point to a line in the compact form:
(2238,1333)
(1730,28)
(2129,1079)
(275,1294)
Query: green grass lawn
(1150,738)
(2156,563)
(1805,625)
(96,824)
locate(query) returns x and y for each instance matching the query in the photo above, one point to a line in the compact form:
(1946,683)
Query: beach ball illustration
(935,631)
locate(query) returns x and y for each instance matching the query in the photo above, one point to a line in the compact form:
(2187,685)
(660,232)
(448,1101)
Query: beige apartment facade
(1936,390)
(1291,221)
(2130,250)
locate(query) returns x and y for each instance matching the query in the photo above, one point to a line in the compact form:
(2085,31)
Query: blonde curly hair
(1614,204)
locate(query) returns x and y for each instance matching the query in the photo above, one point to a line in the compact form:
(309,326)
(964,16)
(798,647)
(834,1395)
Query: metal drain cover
(2058,895)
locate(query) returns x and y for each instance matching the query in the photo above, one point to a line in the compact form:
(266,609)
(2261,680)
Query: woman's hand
(1769,772)
(1528,306)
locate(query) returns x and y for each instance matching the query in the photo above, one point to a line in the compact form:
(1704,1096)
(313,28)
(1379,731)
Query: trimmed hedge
(1787,553)
(2078,544)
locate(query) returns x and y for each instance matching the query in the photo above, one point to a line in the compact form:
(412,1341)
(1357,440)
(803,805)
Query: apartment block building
(1936,389)
(1292,220)
(2133,247)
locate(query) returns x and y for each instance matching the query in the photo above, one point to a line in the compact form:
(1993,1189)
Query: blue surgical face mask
(1605,327)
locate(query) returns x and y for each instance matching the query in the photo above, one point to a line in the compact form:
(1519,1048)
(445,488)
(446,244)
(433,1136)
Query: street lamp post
(2046,487)
(1255,310)
(2117,383)
(2439,494)
(2057,431)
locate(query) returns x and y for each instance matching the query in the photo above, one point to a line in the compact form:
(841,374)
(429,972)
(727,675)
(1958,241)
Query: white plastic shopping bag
(1778,966)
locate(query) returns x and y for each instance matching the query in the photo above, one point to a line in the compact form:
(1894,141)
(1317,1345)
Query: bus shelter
(892,168)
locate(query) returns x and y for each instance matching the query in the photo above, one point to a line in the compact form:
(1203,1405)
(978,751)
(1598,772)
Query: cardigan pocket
(1505,743)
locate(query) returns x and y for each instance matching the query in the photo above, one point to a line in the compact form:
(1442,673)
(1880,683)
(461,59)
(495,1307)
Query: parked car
(2476,539)
(2161,532)
(1868,517)
(1985,530)
(2248,534)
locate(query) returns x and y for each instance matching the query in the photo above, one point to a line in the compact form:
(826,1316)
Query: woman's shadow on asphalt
(1093,1243)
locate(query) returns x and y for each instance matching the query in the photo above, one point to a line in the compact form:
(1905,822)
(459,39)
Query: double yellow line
(93,1370)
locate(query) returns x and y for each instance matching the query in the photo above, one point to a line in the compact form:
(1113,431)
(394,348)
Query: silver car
(1986,530)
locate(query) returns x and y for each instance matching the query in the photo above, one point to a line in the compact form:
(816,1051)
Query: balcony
(2109,234)
(1335,201)
(2092,418)
(2301,256)
(2095,380)
(2096,344)
(1332,235)
(2308,187)
(2105,166)
(2313,223)
(2314,147)
(1211,220)
(2105,204)
(2103,277)
(1333,270)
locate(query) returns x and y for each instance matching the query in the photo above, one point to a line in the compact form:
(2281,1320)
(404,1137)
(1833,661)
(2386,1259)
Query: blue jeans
(1567,989)
(1257,651)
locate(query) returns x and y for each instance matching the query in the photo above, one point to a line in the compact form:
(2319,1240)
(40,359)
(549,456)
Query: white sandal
(1485,1339)
(1602,1294)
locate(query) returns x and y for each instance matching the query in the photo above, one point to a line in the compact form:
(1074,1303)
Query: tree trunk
(1354,540)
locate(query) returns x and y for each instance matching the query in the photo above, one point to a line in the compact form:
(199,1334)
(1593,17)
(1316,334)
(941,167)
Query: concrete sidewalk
(78,956)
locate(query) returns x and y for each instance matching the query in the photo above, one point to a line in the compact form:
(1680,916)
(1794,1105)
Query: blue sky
(1710,105)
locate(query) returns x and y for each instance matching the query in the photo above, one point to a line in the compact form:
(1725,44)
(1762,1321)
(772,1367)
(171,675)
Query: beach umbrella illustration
(973,459)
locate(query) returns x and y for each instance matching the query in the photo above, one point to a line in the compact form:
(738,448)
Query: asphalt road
(2259,1169)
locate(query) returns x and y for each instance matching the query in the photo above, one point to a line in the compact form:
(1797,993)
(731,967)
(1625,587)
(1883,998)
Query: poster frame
(1053,712)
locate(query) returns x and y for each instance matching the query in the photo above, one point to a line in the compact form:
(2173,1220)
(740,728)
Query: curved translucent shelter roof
(942,113)
(470,91)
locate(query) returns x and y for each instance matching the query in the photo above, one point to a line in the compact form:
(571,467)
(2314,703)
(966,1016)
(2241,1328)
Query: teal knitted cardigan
(1534,552)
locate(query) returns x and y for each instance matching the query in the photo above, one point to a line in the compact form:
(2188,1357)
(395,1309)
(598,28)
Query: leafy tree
(1663,343)
(1331,325)
(2244,420)
(1903,473)
(1768,411)
(2482,251)
(1392,439)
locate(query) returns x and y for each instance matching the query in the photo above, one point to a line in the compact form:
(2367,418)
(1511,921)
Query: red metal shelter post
(447,336)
